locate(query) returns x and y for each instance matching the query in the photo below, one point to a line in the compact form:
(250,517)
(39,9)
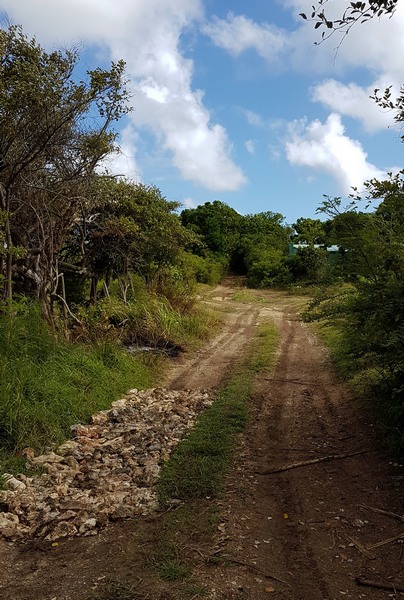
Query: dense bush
(368,313)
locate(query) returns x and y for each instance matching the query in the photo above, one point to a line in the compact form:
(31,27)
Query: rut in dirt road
(301,534)
(304,526)
(211,364)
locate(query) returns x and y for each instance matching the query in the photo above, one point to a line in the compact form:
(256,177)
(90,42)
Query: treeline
(363,306)
(85,244)
(108,260)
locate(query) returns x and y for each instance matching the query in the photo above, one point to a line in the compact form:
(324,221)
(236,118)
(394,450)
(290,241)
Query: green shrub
(47,385)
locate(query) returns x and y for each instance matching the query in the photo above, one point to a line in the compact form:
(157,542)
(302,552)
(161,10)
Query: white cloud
(237,33)
(354,101)
(189,203)
(125,163)
(253,118)
(146,35)
(250,146)
(326,148)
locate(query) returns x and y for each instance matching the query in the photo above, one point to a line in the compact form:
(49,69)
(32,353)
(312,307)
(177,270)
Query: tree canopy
(55,132)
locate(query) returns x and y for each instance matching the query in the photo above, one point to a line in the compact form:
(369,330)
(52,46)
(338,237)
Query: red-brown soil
(301,534)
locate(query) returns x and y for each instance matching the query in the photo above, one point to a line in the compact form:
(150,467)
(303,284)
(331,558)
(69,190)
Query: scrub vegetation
(91,264)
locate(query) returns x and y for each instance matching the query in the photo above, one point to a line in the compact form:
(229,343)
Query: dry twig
(384,512)
(312,461)
(387,541)
(365,551)
(253,567)
(395,587)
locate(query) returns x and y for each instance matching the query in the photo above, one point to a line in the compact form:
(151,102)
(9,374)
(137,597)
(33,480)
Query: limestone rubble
(108,471)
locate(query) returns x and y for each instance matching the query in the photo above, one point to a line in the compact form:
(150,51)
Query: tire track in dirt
(297,525)
(211,364)
(291,526)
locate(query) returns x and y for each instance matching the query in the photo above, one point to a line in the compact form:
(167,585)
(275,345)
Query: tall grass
(47,385)
(149,320)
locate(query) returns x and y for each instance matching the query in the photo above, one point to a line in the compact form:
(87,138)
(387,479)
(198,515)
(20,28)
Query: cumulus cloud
(325,147)
(354,101)
(146,35)
(124,163)
(237,34)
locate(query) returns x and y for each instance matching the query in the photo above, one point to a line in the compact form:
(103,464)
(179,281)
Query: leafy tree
(217,223)
(264,240)
(309,231)
(54,133)
(127,228)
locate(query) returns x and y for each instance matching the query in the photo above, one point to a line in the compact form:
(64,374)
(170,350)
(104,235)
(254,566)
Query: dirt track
(295,533)
(302,526)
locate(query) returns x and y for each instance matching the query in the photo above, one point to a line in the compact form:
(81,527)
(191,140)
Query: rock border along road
(303,534)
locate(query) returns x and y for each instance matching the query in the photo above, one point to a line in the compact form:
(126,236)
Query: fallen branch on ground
(365,551)
(387,541)
(294,381)
(312,461)
(250,566)
(395,587)
(384,512)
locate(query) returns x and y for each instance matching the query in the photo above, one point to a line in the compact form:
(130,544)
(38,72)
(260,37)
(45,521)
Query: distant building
(293,248)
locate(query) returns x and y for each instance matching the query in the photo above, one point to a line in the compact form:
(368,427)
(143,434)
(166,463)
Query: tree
(263,239)
(54,132)
(127,228)
(355,12)
(217,223)
(309,231)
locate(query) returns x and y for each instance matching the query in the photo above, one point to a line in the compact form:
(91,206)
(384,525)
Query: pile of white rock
(108,471)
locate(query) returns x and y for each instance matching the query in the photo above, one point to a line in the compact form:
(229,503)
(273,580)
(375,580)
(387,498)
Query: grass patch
(263,356)
(149,320)
(173,570)
(195,591)
(114,589)
(198,466)
(248,296)
(47,385)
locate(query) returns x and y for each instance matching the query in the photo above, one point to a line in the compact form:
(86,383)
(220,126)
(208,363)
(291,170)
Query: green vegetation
(195,473)
(252,245)
(366,313)
(47,385)
(197,468)
(263,356)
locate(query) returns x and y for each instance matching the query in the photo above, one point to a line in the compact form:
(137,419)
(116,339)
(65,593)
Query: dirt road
(302,534)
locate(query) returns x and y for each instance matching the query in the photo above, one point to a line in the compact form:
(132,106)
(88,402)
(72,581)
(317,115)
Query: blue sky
(233,101)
